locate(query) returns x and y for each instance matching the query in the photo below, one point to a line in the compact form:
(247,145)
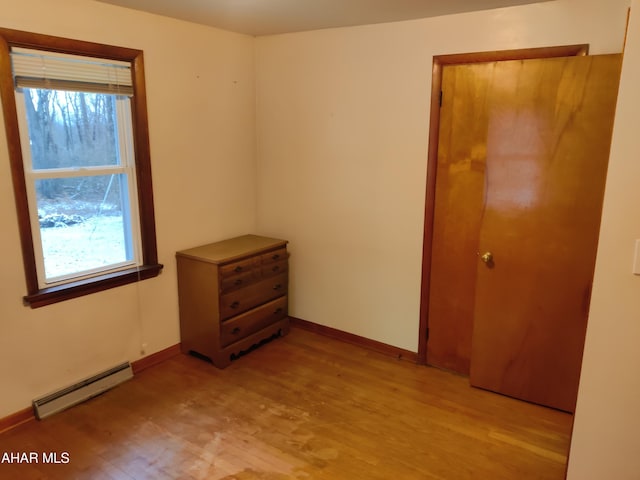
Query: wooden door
(547,146)
(522,157)
(459,198)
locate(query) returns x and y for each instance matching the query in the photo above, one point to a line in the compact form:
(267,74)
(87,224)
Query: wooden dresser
(232,296)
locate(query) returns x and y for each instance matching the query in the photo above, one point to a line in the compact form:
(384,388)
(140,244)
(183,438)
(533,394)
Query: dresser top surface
(232,248)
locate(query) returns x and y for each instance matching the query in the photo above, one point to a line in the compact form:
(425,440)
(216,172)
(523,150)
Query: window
(75,117)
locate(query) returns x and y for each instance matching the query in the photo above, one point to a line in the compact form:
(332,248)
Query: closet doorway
(519,146)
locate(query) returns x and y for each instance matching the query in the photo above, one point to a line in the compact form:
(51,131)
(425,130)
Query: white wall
(201,105)
(605,440)
(342,127)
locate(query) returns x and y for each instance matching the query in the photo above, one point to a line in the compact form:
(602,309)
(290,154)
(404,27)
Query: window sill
(48,296)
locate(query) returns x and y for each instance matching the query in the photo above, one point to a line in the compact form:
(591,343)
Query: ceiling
(267,17)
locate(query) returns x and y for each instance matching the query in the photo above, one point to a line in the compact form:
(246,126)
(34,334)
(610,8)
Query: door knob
(487,257)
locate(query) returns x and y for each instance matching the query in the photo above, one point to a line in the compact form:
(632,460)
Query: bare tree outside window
(81,218)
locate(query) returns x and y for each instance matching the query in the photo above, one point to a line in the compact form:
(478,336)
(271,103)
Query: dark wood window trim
(36,296)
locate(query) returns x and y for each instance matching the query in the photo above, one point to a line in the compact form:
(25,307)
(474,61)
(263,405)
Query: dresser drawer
(275,268)
(240,267)
(274,256)
(241,280)
(250,322)
(244,299)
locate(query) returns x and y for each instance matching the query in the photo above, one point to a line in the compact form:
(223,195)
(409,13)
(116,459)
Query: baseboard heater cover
(81,391)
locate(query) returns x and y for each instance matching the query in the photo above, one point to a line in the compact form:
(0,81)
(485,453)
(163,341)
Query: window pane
(71,129)
(84,223)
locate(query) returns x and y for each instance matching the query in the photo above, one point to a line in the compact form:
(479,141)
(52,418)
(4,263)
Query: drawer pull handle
(235,331)
(276,256)
(238,282)
(276,268)
(277,286)
(277,311)
(237,269)
(235,305)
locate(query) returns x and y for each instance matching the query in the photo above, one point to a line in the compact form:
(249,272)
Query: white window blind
(56,71)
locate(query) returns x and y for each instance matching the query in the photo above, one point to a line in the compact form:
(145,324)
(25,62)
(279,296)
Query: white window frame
(126,167)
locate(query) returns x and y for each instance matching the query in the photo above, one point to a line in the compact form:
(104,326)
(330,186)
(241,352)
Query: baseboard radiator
(81,391)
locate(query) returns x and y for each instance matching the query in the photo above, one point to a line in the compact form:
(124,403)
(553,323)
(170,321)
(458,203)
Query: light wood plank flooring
(300,407)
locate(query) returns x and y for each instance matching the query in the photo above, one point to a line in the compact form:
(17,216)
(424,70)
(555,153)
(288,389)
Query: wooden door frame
(439,62)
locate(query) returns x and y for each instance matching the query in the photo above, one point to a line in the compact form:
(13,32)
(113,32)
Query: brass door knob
(487,257)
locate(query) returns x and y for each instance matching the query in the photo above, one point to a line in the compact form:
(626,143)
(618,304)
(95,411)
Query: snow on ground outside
(96,242)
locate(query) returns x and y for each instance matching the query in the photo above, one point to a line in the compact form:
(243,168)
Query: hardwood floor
(301,407)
